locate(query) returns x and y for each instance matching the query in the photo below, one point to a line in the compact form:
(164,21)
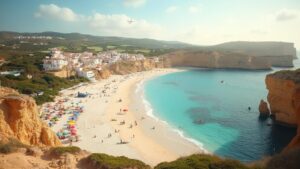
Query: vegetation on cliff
(58,151)
(102,161)
(11,145)
(39,81)
(293,75)
(203,161)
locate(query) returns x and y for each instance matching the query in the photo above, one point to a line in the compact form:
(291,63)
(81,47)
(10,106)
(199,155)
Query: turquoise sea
(216,114)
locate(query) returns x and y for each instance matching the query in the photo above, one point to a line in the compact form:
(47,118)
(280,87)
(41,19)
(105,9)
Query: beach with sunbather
(109,116)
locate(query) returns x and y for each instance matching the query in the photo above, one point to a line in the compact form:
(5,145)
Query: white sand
(144,143)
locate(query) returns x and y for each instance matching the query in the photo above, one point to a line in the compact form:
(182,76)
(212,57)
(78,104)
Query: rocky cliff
(284,99)
(239,55)
(276,51)
(127,67)
(216,59)
(19,119)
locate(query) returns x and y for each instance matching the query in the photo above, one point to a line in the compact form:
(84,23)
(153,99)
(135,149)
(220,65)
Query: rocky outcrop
(284,100)
(19,119)
(263,109)
(283,87)
(296,106)
(102,74)
(127,67)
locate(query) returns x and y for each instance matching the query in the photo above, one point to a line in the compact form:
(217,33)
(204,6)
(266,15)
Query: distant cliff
(270,50)
(284,99)
(242,55)
(19,119)
(216,59)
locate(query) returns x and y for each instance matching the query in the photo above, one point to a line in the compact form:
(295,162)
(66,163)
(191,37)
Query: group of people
(52,113)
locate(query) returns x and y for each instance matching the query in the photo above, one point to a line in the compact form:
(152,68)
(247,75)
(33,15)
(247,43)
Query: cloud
(52,11)
(102,24)
(286,15)
(134,3)
(118,25)
(171,9)
(193,9)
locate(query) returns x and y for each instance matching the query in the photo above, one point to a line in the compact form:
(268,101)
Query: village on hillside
(84,63)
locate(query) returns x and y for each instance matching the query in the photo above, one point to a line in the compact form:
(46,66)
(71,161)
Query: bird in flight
(130,21)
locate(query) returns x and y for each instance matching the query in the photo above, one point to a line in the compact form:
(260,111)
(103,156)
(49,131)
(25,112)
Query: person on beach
(135,123)
(153,128)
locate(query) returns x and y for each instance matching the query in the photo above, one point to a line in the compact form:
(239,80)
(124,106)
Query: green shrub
(99,160)
(58,151)
(202,161)
(11,146)
(227,164)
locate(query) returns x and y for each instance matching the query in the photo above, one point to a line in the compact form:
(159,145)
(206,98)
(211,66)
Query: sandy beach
(114,120)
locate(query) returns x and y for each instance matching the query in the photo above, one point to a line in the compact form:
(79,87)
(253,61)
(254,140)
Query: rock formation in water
(19,119)
(263,109)
(284,99)
(239,55)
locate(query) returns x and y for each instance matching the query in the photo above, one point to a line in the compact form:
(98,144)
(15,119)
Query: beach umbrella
(65,132)
(71,123)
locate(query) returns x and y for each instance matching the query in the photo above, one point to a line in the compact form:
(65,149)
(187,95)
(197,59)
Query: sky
(201,22)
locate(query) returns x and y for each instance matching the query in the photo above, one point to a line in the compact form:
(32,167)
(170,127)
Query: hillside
(101,40)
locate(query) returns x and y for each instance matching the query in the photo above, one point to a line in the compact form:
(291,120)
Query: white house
(53,64)
(88,74)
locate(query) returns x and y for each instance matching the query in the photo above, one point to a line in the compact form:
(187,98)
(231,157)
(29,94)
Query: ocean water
(216,114)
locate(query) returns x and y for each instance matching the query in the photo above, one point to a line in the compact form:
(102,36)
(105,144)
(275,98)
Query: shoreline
(142,137)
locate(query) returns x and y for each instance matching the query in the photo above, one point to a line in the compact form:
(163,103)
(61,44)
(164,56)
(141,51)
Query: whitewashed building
(88,74)
(54,64)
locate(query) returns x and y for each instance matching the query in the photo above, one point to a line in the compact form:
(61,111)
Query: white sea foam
(140,91)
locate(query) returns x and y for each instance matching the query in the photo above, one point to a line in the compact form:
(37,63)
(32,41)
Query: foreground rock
(19,119)
(284,100)
(283,89)
(263,109)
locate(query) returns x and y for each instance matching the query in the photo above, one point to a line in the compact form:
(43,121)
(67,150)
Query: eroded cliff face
(127,67)
(281,98)
(19,119)
(284,100)
(214,59)
(237,55)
